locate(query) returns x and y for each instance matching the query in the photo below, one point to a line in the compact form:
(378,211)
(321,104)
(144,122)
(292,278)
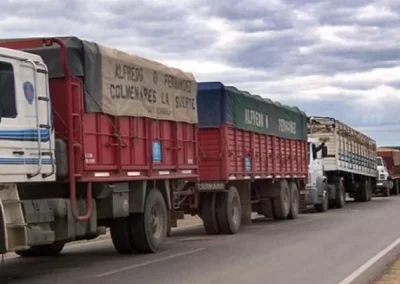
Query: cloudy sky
(336,58)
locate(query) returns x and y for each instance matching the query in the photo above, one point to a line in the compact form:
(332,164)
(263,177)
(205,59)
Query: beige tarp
(134,86)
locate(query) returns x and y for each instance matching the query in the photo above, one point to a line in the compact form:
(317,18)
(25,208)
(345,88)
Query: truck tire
(324,205)
(229,211)
(363,191)
(294,201)
(369,197)
(386,190)
(396,189)
(120,236)
(208,213)
(43,250)
(281,203)
(340,199)
(149,229)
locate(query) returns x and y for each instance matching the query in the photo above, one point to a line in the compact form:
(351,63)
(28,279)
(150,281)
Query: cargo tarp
(121,84)
(220,104)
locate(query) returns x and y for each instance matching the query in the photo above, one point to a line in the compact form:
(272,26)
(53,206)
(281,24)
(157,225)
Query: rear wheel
(43,250)
(294,201)
(369,187)
(121,237)
(281,203)
(208,213)
(149,229)
(229,211)
(396,189)
(364,191)
(142,232)
(386,190)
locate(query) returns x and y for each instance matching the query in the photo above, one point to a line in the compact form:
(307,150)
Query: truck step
(11,202)
(14,225)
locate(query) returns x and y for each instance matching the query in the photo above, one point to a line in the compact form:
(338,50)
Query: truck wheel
(363,191)
(281,203)
(340,199)
(396,189)
(149,229)
(386,190)
(324,205)
(208,213)
(391,184)
(294,201)
(369,190)
(43,250)
(229,211)
(120,236)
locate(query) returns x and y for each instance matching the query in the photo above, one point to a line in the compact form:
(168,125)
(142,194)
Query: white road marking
(148,263)
(369,263)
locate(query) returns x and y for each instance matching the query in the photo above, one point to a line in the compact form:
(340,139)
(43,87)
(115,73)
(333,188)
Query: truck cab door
(26,143)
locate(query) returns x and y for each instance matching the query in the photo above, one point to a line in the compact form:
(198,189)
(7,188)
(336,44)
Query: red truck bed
(110,147)
(228,151)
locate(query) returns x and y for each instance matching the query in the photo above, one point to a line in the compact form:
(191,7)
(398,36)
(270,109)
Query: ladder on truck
(13,229)
(39,126)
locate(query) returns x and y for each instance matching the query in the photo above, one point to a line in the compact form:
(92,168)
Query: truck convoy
(388,167)
(94,138)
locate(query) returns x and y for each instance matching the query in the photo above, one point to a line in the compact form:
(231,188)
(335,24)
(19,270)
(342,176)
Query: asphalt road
(315,248)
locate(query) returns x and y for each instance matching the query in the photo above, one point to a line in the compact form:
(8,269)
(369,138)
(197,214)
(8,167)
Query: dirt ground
(189,221)
(392,276)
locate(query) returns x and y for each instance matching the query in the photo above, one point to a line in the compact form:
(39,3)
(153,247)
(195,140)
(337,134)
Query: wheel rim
(286,200)
(156,220)
(235,211)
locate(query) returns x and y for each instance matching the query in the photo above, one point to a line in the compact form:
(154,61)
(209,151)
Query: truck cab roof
(19,55)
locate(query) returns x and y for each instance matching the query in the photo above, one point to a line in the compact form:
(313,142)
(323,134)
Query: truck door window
(7,91)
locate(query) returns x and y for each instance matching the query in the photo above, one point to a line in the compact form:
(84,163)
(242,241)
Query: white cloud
(339,58)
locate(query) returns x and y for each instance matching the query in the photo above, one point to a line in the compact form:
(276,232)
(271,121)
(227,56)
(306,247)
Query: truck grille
(381,176)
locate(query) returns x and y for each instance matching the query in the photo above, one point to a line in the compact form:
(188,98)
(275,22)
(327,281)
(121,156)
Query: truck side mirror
(324,152)
(314,152)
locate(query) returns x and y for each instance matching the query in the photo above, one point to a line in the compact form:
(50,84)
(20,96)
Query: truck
(90,138)
(388,167)
(252,158)
(347,163)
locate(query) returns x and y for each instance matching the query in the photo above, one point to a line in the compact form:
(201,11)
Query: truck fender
(138,191)
(137,196)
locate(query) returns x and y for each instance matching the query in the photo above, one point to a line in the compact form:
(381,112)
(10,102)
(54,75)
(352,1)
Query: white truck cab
(317,181)
(26,139)
(26,132)
(383,183)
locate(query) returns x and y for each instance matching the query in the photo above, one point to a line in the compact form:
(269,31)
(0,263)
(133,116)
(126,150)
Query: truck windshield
(379,161)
